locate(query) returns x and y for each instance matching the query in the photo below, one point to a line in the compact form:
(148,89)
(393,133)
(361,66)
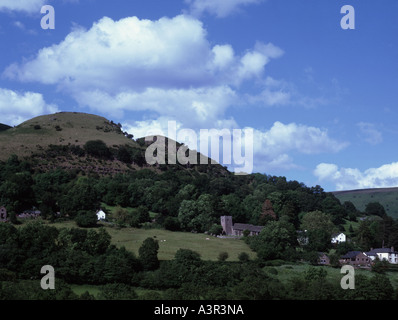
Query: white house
(386,254)
(101,215)
(337,238)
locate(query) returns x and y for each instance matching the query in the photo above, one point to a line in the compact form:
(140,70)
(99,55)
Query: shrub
(243,257)
(98,148)
(86,219)
(223,256)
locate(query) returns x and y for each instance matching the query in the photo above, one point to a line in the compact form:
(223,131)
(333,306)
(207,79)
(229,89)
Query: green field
(169,242)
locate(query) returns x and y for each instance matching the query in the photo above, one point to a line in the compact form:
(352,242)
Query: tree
(267,213)
(276,241)
(318,220)
(364,235)
(188,258)
(98,148)
(243,257)
(117,291)
(375,208)
(86,219)
(81,196)
(148,253)
(223,256)
(124,155)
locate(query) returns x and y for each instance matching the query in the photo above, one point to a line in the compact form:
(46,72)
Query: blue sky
(322,101)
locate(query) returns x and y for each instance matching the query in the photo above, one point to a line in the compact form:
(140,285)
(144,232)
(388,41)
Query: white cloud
(194,107)
(369,133)
(273,148)
(352,178)
(219,8)
(115,55)
(164,66)
(22,5)
(299,138)
(17,107)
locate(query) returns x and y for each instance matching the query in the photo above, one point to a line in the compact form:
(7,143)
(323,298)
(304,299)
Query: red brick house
(357,259)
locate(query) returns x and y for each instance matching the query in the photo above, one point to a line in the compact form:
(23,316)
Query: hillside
(4,127)
(59,141)
(388,197)
(65,128)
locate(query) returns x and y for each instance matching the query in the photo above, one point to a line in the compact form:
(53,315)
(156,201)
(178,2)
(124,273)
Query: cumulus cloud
(297,137)
(22,5)
(272,148)
(23,106)
(195,107)
(352,178)
(134,64)
(219,8)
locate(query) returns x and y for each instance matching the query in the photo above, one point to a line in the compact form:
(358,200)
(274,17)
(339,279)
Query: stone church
(237,229)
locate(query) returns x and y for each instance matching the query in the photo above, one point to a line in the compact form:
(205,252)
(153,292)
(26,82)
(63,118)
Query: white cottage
(101,215)
(337,238)
(386,254)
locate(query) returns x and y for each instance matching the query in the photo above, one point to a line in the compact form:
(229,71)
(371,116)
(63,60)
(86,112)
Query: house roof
(350,254)
(334,235)
(370,253)
(381,250)
(250,227)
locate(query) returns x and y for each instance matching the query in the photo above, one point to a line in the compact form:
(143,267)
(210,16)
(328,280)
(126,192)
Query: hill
(64,128)
(4,127)
(59,141)
(388,197)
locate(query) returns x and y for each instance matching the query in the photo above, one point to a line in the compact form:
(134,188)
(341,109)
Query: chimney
(392,249)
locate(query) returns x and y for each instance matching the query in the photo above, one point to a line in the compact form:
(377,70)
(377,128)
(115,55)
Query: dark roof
(337,234)
(351,254)
(370,253)
(381,250)
(250,227)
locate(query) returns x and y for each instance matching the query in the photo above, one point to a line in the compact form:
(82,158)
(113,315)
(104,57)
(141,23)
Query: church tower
(226,223)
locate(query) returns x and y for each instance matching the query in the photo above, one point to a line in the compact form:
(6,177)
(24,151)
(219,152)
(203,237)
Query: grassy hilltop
(64,128)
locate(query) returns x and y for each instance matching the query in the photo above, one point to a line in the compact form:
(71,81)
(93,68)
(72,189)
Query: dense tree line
(190,199)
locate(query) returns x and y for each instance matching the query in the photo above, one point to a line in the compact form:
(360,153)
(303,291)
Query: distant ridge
(388,197)
(371,190)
